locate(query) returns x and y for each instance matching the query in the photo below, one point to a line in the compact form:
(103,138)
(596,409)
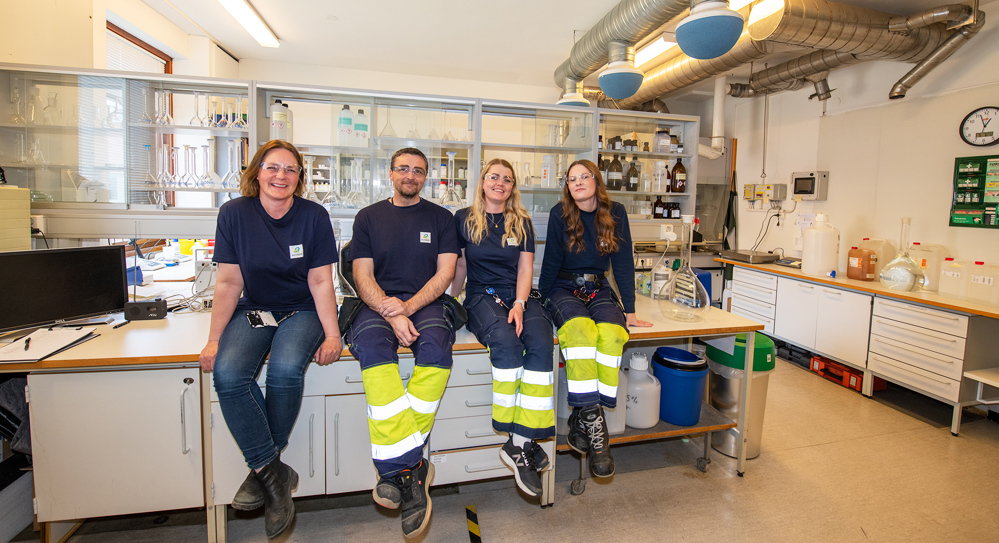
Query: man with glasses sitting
(403,251)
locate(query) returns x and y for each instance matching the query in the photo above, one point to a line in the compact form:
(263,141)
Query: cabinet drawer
(934,319)
(764,309)
(466,401)
(919,379)
(471,369)
(755,292)
(465,432)
(946,366)
(918,337)
(755,278)
(344,377)
(473,465)
(768,323)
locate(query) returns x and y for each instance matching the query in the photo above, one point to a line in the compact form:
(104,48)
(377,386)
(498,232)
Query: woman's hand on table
(632,320)
(207,357)
(517,316)
(329,351)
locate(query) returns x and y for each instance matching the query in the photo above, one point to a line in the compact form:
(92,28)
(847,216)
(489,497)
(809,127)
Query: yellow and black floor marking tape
(474,536)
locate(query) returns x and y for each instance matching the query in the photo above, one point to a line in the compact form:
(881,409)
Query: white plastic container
(291,122)
(983,283)
(345,127)
(279,121)
(820,248)
(954,277)
(616,417)
(644,391)
(929,257)
(361,129)
(884,250)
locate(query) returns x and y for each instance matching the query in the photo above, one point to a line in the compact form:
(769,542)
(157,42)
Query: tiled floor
(835,466)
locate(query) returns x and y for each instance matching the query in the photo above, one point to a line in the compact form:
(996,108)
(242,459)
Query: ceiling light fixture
(738,4)
(652,50)
(711,29)
(572,94)
(245,15)
(621,79)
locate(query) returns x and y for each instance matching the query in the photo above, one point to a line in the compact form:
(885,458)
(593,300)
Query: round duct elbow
(573,99)
(710,30)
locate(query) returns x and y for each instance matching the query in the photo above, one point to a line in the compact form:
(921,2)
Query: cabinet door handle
(312,456)
(836,292)
(809,287)
(925,333)
(407,376)
(336,444)
(347,379)
(487,434)
(477,404)
(477,470)
(184,449)
(758,288)
(469,371)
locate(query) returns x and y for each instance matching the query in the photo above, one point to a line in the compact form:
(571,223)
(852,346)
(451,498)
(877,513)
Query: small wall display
(976,192)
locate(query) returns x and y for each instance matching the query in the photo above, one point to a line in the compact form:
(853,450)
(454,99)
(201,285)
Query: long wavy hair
(606,239)
(248,183)
(515,215)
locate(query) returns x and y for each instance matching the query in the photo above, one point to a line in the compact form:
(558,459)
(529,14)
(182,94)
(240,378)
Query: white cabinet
(133,438)
(348,452)
(754,296)
(831,321)
(795,315)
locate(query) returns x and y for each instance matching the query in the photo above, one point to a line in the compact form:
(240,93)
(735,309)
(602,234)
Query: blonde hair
(515,216)
(248,183)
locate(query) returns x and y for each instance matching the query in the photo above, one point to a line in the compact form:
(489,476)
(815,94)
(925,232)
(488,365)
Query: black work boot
(578,438)
(600,459)
(388,492)
(541,460)
(278,481)
(416,505)
(250,495)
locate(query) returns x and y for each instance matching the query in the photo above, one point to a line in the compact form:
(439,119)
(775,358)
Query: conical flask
(684,298)
(902,273)
(343,288)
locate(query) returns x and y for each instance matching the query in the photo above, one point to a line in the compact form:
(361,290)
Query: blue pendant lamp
(621,79)
(710,30)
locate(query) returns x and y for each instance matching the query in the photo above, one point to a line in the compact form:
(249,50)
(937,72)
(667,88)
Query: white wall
(886,159)
(48,32)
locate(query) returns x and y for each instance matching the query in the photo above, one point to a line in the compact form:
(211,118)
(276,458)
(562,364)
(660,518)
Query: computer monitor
(50,286)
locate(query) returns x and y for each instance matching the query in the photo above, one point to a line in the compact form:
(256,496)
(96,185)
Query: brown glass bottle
(615,175)
(632,176)
(679,175)
(658,208)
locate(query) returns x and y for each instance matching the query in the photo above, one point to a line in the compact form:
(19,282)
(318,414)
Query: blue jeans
(261,425)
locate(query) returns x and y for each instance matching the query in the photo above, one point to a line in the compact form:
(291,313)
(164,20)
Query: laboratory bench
(131,411)
(939,347)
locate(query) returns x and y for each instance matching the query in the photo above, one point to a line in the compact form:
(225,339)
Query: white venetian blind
(126,56)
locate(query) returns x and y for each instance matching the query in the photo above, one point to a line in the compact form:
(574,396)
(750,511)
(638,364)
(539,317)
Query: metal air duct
(946,49)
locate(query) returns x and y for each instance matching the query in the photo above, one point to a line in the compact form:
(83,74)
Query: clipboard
(44,343)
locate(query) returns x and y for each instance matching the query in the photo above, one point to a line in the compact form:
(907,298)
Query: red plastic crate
(843,375)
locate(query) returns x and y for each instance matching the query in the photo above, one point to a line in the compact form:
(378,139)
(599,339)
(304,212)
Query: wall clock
(979,128)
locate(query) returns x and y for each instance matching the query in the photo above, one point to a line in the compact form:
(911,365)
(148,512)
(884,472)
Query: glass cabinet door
(63,136)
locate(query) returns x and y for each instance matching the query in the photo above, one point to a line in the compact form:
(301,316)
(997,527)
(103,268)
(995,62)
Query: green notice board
(976,192)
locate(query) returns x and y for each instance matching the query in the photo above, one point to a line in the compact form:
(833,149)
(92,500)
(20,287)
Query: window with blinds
(126,56)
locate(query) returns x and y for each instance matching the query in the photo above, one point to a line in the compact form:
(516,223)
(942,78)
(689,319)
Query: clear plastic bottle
(684,298)
(644,391)
(361,128)
(345,127)
(983,283)
(902,273)
(51,114)
(820,248)
(954,275)
(616,418)
(883,252)
(279,121)
(929,257)
(291,120)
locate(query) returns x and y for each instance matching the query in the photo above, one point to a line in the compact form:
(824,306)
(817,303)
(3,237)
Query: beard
(408,190)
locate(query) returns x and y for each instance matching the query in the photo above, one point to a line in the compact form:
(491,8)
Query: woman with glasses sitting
(497,243)
(587,234)
(277,250)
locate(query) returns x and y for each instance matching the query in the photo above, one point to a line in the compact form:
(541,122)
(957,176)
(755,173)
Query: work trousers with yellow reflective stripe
(523,381)
(591,334)
(400,417)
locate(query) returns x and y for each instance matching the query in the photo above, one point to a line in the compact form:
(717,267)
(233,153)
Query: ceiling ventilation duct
(710,30)
(621,79)
(572,94)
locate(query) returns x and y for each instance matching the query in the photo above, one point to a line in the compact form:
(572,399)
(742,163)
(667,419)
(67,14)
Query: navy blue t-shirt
(492,262)
(274,255)
(404,243)
(558,257)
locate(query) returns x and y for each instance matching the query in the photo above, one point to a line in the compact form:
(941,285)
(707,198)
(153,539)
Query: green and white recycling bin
(725,390)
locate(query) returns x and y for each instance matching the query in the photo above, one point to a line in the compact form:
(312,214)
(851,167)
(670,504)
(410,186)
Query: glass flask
(35,155)
(452,199)
(163,177)
(16,117)
(239,122)
(165,117)
(310,186)
(231,177)
(33,111)
(684,298)
(210,179)
(355,198)
(196,120)
(145,118)
(902,273)
(177,178)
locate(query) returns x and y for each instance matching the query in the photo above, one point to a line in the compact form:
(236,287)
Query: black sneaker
(250,495)
(416,506)
(523,467)
(578,438)
(388,492)
(600,459)
(541,460)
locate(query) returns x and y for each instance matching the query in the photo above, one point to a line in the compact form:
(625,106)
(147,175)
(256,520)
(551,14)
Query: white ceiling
(511,41)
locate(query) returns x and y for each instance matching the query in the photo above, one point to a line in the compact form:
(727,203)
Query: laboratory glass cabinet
(117,154)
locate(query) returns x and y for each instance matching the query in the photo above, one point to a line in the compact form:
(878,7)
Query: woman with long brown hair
(497,243)
(588,233)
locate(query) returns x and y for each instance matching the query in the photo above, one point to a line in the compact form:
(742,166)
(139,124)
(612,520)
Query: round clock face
(981,127)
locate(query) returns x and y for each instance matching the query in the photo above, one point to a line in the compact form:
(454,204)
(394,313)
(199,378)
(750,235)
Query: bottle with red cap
(954,276)
(983,283)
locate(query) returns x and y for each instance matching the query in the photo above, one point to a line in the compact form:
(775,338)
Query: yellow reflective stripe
(384,412)
(534,403)
(607,390)
(508,375)
(504,400)
(542,378)
(608,360)
(422,406)
(397,449)
(579,353)
(582,387)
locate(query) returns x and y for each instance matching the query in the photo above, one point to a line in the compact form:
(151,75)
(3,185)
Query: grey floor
(835,466)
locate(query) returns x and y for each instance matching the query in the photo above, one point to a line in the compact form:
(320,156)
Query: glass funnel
(388,131)
(684,298)
(902,273)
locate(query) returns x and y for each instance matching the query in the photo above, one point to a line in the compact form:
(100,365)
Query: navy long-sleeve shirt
(559,258)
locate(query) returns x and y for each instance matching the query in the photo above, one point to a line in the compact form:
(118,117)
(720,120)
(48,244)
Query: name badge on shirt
(511,241)
(424,237)
(296,251)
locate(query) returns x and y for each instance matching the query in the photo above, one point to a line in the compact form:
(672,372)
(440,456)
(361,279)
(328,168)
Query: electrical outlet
(666,232)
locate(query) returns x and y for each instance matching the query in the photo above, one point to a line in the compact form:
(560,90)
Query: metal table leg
(744,408)
(579,485)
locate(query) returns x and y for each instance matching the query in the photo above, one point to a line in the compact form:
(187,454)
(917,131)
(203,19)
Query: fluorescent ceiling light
(652,51)
(251,21)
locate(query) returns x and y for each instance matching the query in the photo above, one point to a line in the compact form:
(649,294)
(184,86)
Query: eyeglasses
(403,170)
(582,178)
(275,167)
(497,177)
